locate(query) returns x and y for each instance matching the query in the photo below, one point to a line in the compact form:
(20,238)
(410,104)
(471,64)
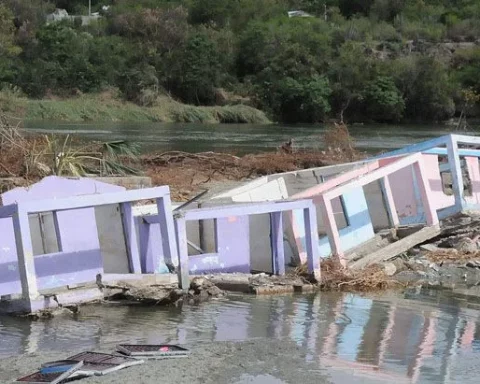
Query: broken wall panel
(66,267)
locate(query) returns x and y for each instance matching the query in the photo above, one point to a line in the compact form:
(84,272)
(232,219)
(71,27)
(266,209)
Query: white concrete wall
(260,243)
(376,205)
(47,244)
(112,239)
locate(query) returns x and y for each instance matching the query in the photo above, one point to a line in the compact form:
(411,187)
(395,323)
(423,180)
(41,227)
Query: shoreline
(105,107)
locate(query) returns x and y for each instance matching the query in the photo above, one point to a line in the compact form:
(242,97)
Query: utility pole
(89,7)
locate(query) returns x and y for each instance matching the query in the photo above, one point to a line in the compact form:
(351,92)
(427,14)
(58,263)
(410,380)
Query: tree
(353,7)
(383,100)
(199,70)
(425,86)
(350,73)
(8,48)
(65,60)
(304,100)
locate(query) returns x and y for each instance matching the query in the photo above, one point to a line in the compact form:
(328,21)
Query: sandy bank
(208,363)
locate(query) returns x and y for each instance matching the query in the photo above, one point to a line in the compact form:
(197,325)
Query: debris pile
(448,260)
(335,277)
(201,289)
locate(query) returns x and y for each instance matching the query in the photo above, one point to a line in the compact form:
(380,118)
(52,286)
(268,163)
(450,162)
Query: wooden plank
(398,247)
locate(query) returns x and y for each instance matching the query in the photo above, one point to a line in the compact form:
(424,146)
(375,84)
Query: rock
(399,264)
(429,247)
(473,264)
(389,268)
(51,313)
(414,251)
(466,245)
(215,291)
(409,277)
(434,267)
(198,283)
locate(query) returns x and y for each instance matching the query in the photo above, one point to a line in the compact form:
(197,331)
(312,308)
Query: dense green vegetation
(362,60)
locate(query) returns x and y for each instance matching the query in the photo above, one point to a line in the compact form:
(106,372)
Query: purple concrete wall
(9,276)
(233,248)
(78,232)
(67,268)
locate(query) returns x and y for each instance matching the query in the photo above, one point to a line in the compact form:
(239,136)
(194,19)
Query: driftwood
(179,156)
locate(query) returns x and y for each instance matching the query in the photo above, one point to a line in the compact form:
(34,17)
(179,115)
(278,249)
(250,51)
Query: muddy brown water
(415,337)
(243,138)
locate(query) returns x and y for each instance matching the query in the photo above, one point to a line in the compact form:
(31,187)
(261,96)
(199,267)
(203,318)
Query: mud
(226,362)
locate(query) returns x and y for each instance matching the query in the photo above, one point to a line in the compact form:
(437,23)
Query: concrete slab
(397,247)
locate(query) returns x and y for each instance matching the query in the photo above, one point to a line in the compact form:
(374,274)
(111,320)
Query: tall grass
(103,109)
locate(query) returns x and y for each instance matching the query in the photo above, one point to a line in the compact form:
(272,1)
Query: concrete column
(389,202)
(167,229)
(456,170)
(428,207)
(181,233)
(332,229)
(130,236)
(57,231)
(26,265)
(276,236)
(311,241)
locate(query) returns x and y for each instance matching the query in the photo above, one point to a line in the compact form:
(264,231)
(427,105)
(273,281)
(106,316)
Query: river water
(241,139)
(415,337)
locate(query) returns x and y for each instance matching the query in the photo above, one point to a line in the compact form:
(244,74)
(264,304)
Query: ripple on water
(423,337)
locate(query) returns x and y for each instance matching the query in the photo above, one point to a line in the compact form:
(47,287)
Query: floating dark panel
(51,377)
(95,363)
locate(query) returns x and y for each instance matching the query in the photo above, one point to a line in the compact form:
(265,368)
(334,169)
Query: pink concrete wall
(401,183)
(409,205)
(474,173)
(439,198)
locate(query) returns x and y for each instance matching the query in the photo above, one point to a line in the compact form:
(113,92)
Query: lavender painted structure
(72,266)
(65,224)
(232,235)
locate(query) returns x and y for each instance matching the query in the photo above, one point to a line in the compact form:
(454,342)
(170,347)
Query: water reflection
(406,340)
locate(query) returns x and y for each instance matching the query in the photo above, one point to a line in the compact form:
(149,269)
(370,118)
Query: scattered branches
(337,278)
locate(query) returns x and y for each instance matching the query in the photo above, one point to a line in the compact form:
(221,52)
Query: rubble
(201,289)
(450,260)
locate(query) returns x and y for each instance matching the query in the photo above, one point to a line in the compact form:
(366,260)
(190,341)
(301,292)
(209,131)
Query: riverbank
(107,107)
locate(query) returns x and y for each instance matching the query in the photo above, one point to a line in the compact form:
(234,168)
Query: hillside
(361,60)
